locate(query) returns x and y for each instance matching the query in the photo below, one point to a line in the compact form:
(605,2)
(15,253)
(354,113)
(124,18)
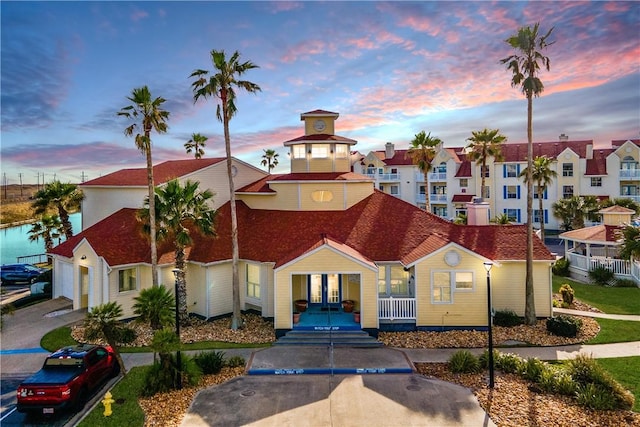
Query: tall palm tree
(196,144)
(542,175)
(630,236)
(484,144)
(421,152)
(269,159)
(222,85)
(61,196)
(525,66)
(178,208)
(48,228)
(151,116)
(573,211)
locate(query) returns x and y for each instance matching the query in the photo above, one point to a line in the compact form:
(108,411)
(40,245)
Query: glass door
(324,290)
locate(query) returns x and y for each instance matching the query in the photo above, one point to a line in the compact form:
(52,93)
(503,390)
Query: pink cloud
(138,15)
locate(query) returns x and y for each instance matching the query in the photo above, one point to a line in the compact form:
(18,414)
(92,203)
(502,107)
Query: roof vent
(563,137)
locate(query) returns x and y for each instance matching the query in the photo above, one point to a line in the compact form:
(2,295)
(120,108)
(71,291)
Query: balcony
(438,198)
(388,177)
(437,176)
(629,174)
(635,197)
(397,308)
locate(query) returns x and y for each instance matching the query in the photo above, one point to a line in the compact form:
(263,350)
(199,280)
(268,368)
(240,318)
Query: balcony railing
(438,198)
(629,173)
(397,308)
(388,177)
(437,176)
(619,267)
(635,197)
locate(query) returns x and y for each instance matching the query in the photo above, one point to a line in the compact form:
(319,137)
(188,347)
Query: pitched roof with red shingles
(618,142)
(162,173)
(320,137)
(595,234)
(464,171)
(462,198)
(379,228)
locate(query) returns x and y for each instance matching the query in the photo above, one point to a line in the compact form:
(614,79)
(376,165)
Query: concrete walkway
(630,317)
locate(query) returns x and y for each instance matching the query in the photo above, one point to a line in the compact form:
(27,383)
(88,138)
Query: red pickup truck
(67,378)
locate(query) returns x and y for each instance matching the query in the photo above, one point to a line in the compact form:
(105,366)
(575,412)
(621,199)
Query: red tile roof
(517,152)
(320,137)
(162,173)
(618,142)
(400,158)
(595,234)
(379,228)
(464,171)
(462,198)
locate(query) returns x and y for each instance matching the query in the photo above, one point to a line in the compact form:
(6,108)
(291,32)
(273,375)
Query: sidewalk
(631,317)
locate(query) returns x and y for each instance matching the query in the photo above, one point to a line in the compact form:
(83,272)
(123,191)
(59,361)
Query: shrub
(210,362)
(625,283)
(506,318)
(564,384)
(596,397)
(235,361)
(601,275)
(567,293)
(191,372)
(561,267)
(159,379)
(532,369)
(547,379)
(463,362)
(584,371)
(509,363)
(564,326)
(484,359)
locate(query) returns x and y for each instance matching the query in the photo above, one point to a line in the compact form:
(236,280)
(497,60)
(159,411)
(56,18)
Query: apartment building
(454,180)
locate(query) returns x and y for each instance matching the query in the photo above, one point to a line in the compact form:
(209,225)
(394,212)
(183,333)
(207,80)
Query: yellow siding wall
(221,289)
(321,165)
(469,308)
(299,165)
(196,290)
(325,261)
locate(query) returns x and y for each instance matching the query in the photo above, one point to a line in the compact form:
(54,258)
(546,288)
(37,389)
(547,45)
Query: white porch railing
(619,267)
(397,308)
(635,271)
(438,198)
(629,173)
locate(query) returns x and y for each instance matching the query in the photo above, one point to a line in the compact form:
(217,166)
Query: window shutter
(518,169)
(544,196)
(546,216)
(504,171)
(518,214)
(504,192)
(518,191)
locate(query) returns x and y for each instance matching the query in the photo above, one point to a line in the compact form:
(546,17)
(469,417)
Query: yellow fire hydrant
(107,401)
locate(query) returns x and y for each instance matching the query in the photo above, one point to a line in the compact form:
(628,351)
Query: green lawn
(616,331)
(626,370)
(609,300)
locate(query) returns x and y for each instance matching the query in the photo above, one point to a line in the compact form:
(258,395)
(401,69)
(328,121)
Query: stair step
(336,338)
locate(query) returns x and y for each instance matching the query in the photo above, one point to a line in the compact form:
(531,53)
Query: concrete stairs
(340,338)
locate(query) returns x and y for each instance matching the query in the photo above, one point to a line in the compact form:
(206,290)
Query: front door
(324,290)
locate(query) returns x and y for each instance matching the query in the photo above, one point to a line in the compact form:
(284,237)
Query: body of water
(14,241)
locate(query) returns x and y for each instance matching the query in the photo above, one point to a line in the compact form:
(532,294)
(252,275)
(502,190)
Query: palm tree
(630,248)
(484,144)
(624,202)
(421,152)
(178,208)
(102,323)
(196,144)
(63,197)
(152,117)
(525,65)
(269,159)
(46,229)
(156,306)
(542,175)
(502,219)
(573,211)
(222,85)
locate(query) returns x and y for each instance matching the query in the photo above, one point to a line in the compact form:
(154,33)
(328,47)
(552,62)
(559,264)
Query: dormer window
(298,151)
(320,151)
(342,151)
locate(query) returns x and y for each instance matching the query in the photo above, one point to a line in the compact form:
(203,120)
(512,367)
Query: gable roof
(320,137)
(595,234)
(162,173)
(379,228)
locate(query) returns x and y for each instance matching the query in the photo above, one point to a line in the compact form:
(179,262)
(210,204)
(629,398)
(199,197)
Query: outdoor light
(176,272)
(83,257)
(487,266)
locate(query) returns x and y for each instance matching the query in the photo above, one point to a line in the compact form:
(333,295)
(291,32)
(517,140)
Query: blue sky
(391,69)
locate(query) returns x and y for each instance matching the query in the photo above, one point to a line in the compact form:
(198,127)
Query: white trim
(373,266)
(449,246)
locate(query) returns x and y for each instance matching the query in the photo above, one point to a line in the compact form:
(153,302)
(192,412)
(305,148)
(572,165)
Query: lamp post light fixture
(176,272)
(487,266)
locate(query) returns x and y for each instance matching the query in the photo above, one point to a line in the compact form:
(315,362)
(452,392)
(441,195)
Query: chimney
(478,212)
(589,153)
(563,137)
(389,150)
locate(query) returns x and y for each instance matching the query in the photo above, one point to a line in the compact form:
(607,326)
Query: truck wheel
(115,371)
(81,399)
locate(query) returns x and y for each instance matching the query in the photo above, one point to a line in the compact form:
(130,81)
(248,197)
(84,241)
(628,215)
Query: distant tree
(152,117)
(542,175)
(630,237)
(574,210)
(461,219)
(502,219)
(484,144)
(624,202)
(178,208)
(102,323)
(222,85)
(196,144)
(269,159)
(155,305)
(525,66)
(48,228)
(61,197)
(421,152)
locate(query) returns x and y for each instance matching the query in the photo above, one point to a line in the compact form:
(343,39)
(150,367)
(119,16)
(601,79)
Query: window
(320,151)
(464,280)
(422,190)
(441,211)
(464,182)
(394,171)
(395,190)
(127,280)
(567,169)
(441,288)
(485,192)
(298,151)
(442,168)
(253,281)
(596,181)
(511,171)
(513,214)
(322,196)
(342,151)
(511,191)
(536,215)
(567,191)
(484,171)
(393,280)
(544,192)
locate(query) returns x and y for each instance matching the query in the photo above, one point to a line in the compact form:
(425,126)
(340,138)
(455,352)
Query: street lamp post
(176,271)
(487,266)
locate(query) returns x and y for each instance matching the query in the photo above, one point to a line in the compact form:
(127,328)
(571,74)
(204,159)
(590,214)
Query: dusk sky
(390,69)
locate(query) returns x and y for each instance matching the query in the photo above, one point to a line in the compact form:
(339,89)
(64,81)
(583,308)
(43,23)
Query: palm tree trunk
(426,193)
(64,219)
(152,213)
(540,193)
(530,307)
(183,315)
(236,320)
